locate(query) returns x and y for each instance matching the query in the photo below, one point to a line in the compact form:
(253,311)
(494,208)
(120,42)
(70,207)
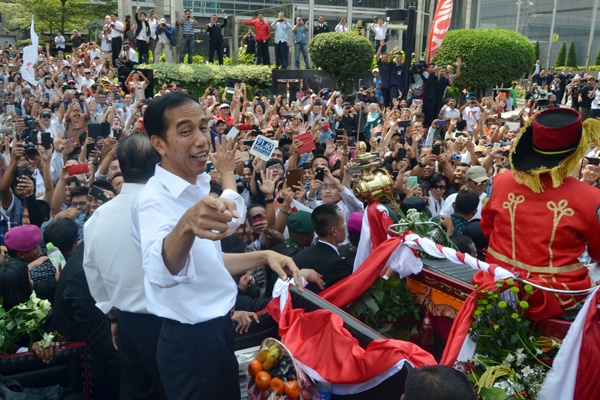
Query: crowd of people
(79,170)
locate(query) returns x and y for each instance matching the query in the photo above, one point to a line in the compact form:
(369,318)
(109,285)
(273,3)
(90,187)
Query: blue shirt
(282,31)
(300,34)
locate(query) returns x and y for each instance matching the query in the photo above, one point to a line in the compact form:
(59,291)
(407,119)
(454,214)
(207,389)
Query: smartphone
(97,193)
(338,133)
(293,177)
(418,102)
(248,143)
(320,175)
(10,108)
(99,145)
(496,146)
(413,182)
(89,148)
(506,153)
(78,169)
(47,140)
(404,123)
(244,156)
(120,106)
(436,149)
(209,166)
(441,123)
(257,218)
(402,140)
(351,141)
(400,155)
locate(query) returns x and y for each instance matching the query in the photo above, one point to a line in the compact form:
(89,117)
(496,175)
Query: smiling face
(184,150)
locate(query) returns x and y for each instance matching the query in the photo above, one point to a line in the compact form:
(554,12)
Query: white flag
(30,57)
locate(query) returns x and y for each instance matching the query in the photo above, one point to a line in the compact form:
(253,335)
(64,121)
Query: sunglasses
(483,183)
(45,116)
(441,187)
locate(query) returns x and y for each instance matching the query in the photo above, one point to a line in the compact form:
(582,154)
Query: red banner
(439,27)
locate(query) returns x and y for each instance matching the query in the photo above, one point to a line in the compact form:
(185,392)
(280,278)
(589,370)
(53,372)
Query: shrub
(196,77)
(561,58)
(571,56)
(342,56)
(597,62)
(489,56)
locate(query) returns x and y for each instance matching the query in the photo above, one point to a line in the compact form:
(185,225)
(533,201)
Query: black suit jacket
(326,261)
(214,32)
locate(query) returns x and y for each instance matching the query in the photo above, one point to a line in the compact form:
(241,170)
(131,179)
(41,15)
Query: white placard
(233,132)
(263,147)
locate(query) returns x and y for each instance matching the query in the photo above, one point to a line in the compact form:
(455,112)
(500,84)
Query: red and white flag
(439,27)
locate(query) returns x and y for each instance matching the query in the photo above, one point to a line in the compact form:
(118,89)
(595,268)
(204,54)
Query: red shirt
(262,29)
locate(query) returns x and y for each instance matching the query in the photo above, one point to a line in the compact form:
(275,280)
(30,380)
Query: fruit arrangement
(273,375)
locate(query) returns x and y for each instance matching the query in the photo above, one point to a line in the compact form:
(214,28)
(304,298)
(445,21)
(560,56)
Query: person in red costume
(538,218)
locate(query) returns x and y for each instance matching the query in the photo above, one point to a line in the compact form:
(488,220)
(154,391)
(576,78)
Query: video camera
(541,100)
(417,67)
(29,136)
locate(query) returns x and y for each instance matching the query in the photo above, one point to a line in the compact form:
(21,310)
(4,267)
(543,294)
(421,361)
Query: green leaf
(493,394)
(371,305)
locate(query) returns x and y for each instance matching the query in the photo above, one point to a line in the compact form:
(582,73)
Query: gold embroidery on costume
(511,206)
(535,269)
(565,304)
(559,211)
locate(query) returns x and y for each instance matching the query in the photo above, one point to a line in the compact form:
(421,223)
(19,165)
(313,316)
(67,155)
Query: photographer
(165,40)
(105,39)
(573,89)
(282,30)
(116,36)
(142,34)
(187,24)
(128,56)
(300,43)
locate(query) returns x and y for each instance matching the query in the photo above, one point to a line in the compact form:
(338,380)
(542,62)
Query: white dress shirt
(380,31)
(341,28)
(348,204)
(117,31)
(112,264)
(203,289)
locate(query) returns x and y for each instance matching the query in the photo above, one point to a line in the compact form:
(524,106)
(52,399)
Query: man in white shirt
(176,228)
(105,40)
(341,27)
(477,180)
(380,30)
(116,36)
(282,30)
(59,41)
(94,51)
(471,113)
(113,269)
(152,22)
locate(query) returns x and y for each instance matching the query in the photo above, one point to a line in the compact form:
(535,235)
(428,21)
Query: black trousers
(218,47)
(385,91)
(142,47)
(281,55)
(262,53)
(138,339)
(428,110)
(198,361)
(115,45)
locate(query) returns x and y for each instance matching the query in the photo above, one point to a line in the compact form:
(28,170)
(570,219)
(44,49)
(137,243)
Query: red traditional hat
(553,142)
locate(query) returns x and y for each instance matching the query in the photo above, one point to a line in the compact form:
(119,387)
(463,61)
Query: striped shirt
(187,27)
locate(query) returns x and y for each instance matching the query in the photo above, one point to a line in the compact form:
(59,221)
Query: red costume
(541,235)
(539,220)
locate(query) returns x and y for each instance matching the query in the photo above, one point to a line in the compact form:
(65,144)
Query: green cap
(300,222)
(49,245)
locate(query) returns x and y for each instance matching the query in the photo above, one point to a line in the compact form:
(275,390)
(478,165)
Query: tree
(597,62)
(489,56)
(53,15)
(561,58)
(571,56)
(537,50)
(342,56)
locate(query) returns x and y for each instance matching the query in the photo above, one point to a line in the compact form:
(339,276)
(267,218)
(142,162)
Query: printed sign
(263,147)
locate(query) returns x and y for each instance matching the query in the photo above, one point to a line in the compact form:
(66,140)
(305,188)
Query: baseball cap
(477,174)
(162,21)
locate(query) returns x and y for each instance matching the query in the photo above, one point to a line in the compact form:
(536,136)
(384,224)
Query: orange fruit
(254,367)
(262,379)
(292,389)
(277,385)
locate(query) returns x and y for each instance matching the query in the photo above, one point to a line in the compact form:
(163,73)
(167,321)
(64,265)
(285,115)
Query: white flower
(525,372)
(413,215)
(509,359)
(538,351)
(521,356)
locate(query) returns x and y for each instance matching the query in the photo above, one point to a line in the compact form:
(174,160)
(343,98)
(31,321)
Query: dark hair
(260,13)
(463,243)
(114,13)
(104,184)
(79,191)
(324,218)
(62,234)
(312,162)
(466,202)
(216,188)
(233,244)
(154,117)
(137,158)
(15,287)
(186,10)
(436,178)
(461,125)
(44,208)
(437,382)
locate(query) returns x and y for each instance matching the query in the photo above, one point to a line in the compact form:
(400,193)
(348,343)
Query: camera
(288,115)
(541,100)
(417,67)
(29,137)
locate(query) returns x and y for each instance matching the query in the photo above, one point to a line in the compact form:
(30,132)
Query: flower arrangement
(419,223)
(511,359)
(23,320)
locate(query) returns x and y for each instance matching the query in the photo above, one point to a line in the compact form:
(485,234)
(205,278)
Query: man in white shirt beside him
(282,30)
(188,280)
(116,36)
(380,30)
(113,269)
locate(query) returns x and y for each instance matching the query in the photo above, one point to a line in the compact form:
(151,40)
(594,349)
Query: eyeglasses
(79,204)
(276,168)
(441,187)
(482,183)
(328,187)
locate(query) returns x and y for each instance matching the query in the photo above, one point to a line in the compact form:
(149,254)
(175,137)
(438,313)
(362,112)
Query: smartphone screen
(257,218)
(47,140)
(320,175)
(413,182)
(97,193)
(401,154)
(436,150)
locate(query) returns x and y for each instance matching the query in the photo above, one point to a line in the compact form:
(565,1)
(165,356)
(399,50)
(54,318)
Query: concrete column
(592,30)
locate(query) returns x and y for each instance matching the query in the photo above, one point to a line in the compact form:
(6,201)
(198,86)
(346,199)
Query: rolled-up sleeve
(150,227)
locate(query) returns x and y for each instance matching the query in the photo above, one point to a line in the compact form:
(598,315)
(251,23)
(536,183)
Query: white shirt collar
(177,185)
(330,245)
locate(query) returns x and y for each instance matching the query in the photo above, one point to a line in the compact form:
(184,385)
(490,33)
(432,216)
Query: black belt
(190,34)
